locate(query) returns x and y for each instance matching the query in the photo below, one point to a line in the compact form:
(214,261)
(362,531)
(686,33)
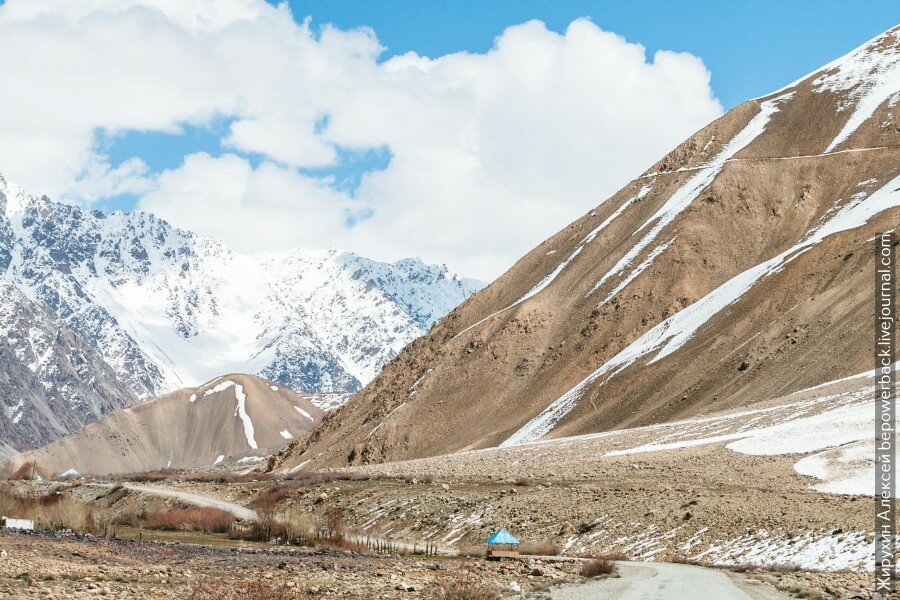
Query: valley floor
(40,566)
(727,491)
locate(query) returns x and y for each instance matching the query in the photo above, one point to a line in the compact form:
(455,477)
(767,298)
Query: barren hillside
(230,418)
(737,268)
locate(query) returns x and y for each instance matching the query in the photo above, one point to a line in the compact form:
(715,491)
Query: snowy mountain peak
(167,309)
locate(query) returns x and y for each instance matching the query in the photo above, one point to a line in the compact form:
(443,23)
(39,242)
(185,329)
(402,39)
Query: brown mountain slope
(228,418)
(739,267)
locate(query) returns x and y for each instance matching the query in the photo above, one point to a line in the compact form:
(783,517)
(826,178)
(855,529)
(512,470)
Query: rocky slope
(51,380)
(739,267)
(231,418)
(161,309)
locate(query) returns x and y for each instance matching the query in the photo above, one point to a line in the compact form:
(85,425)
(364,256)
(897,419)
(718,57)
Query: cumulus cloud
(490,153)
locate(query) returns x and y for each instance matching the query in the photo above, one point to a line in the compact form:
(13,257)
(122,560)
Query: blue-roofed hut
(502,544)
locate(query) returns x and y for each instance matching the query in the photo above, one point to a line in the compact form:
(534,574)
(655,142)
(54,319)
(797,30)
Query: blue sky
(477,131)
(750,48)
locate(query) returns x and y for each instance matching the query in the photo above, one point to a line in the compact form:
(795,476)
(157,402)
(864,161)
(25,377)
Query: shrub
(260,532)
(205,519)
(25,472)
(154,476)
(339,542)
(53,510)
(465,588)
(540,549)
(597,566)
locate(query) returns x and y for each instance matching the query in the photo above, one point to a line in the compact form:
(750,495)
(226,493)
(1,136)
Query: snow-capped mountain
(166,309)
(51,380)
(738,268)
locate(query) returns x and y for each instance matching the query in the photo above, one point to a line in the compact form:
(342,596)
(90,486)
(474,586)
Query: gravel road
(666,581)
(241,512)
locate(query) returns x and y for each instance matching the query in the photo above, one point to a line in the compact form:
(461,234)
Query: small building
(502,544)
(10,523)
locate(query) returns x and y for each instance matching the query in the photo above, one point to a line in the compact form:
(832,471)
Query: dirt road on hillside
(241,512)
(666,581)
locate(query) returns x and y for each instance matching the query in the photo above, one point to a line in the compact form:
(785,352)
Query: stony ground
(704,503)
(37,566)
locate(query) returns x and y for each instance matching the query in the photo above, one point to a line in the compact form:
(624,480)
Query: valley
(671,397)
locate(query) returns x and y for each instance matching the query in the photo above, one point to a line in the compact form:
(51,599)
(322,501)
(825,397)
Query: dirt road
(246,514)
(241,512)
(666,581)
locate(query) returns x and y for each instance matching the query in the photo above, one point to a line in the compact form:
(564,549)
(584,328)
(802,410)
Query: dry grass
(153,476)
(679,559)
(250,590)
(54,510)
(339,542)
(25,472)
(540,549)
(596,567)
(261,531)
(205,519)
(465,588)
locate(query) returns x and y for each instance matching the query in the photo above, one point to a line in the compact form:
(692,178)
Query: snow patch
(286,434)
(869,77)
(688,192)
(221,387)
(304,413)
(845,470)
(672,333)
(241,411)
(548,279)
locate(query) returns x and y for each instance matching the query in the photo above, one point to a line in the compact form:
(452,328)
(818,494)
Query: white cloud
(255,210)
(491,152)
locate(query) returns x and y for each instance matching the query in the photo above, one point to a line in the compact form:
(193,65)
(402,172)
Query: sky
(461,132)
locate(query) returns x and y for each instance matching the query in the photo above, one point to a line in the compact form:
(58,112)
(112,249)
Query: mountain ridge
(733,269)
(164,308)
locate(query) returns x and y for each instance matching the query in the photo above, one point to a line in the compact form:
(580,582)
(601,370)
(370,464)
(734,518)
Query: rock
(514,587)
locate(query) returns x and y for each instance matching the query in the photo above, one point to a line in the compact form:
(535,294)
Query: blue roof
(503,537)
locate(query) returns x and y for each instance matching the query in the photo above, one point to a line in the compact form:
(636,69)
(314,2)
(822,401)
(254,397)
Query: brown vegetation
(54,510)
(207,520)
(597,566)
(24,472)
(540,549)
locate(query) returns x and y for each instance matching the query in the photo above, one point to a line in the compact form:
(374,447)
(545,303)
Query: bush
(597,566)
(679,559)
(540,549)
(260,532)
(154,476)
(24,473)
(53,510)
(465,588)
(268,498)
(205,519)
